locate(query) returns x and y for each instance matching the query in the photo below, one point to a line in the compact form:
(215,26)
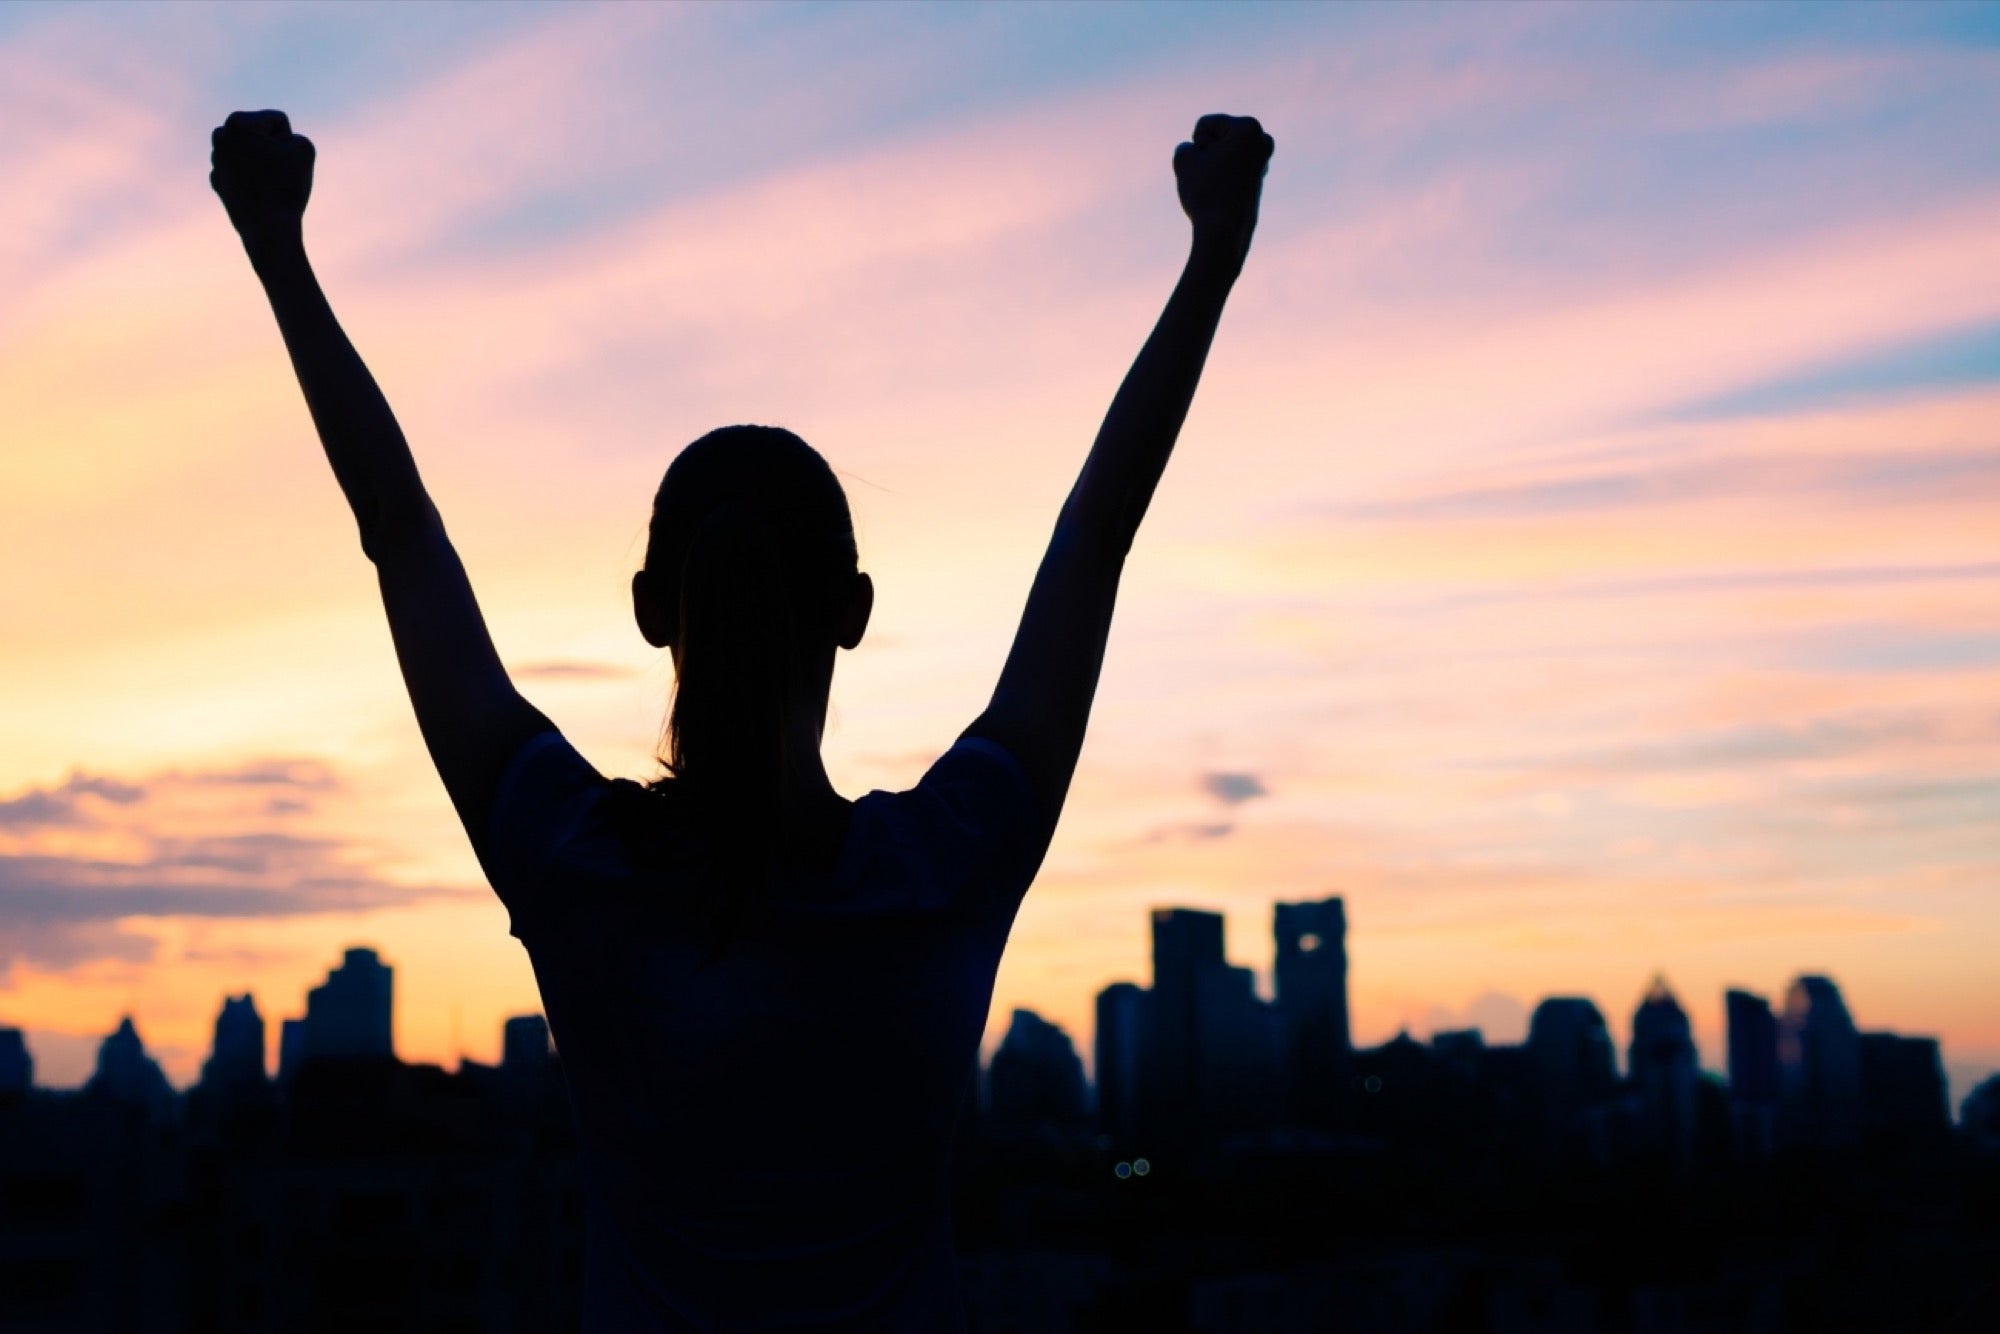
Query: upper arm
(473,720)
(1041,706)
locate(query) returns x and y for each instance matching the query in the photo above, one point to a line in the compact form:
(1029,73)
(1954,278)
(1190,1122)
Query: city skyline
(355,1018)
(1581,555)
(1455,1176)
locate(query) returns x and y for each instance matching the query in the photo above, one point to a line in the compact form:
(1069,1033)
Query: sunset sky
(1583,554)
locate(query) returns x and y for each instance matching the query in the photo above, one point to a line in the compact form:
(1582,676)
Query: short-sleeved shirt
(766,1135)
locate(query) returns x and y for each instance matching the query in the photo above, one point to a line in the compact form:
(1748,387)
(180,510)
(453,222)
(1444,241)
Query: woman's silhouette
(768,998)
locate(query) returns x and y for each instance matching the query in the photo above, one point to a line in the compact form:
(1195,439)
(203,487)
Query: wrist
(275,246)
(1217,254)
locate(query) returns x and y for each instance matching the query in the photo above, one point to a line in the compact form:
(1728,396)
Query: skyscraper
(524,1043)
(1819,1066)
(1662,1063)
(1310,970)
(291,1049)
(127,1074)
(236,1061)
(17,1068)
(1241,1043)
(1213,1047)
(1572,1051)
(1035,1080)
(1979,1115)
(1902,1090)
(1187,946)
(524,1059)
(350,1013)
(1573,1076)
(1753,1073)
(1120,1043)
(1753,1048)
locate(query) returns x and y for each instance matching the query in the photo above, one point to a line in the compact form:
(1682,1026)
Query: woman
(768,997)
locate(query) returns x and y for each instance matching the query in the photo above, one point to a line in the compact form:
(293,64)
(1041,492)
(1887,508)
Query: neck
(802,748)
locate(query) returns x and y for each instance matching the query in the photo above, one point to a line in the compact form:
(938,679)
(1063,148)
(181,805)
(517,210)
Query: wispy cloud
(66,803)
(1233,789)
(85,863)
(1880,478)
(572,671)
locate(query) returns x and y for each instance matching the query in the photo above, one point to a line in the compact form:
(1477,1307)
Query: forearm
(363,443)
(1132,446)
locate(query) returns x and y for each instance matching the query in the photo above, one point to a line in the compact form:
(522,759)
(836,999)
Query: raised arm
(1041,706)
(471,717)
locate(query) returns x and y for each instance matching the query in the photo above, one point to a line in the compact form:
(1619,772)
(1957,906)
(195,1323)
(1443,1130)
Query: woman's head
(751,580)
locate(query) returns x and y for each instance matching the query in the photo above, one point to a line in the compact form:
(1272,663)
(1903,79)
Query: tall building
(236,1062)
(291,1049)
(1753,1048)
(1662,1066)
(1187,946)
(524,1059)
(1571,1050)
(1753,1073)
(1979,1115)
(524,1043)
(125,1073)
(1461,1049)
(17,1068)
(1212,1046)
(1819,1067)
(1310,971)
(1242,1048)
(1903,1101)
(350,1013)
(1120,1042)
(1035,1080)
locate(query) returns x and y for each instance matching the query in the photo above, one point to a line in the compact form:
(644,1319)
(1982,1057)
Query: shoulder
(545,773)
(546,794)
(968,827)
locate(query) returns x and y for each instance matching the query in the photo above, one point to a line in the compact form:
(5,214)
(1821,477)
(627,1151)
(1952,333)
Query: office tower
(1187,946)
(1979,1115)
(1212,1048)
(1462,1049)
(1902,1090)
(17,1068)
(524,1043)
(236,1062)
(350,1013)
(1120,1039)
(1753,1048)
(1753,1073)
(291,1049)
(1819,1067)
(1662,1064)
(126,1073)
(1035,1080)
(1571,1051)
(524,1059)
(1310,972)
(1241,1042)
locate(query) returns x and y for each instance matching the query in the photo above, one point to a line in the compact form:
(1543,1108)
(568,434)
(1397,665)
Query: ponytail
(733,701)
(751,544)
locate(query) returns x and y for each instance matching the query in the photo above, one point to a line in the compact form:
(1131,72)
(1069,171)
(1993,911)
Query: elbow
(389,530)
(1100,527)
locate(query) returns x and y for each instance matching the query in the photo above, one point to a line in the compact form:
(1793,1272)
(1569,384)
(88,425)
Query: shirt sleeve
(980,795)
(545,792)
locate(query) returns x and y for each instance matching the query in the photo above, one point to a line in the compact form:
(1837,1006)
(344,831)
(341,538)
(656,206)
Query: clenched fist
(1220,174)
(263,172)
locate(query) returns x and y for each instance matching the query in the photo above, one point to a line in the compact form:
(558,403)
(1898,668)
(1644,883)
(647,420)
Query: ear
(854,617)
(656,621)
